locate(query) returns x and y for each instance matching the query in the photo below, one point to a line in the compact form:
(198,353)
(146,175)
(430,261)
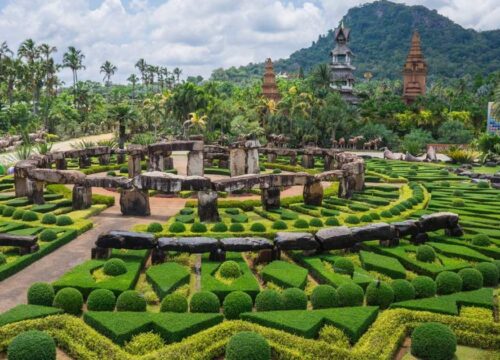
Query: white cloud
(195,35)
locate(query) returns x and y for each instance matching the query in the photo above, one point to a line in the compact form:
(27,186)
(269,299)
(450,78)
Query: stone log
(60,160)
(89,152)
(35,192)
(295,241)
(195,163)
(82,197)
(313,193)
(207,206)
(178,145)
(170,183)
(26,244)
(339,237)
(406,228)
(117,239)
(134,202)
(270,198)
(263,181)
(411,158)
(332,175)
(377,231)
(57,176)
(431,154)
(192,245)
(84,162)
(245,244)
(21,170)
(134,160)
(388,154)
(109,182)
(437,221)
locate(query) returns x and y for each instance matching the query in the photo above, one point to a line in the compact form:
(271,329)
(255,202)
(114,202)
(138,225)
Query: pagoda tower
(414,71)
(269,88)
(341,68)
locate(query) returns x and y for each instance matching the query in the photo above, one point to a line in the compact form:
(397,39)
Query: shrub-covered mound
(248,345)
(424,287)
(426,253)
(144,343)
(258,227)
(268,300)
(235,303)
(403,290)
(379,294)
(32,344)
(481,240)
(130,300)
(155,227)
(48,235)
(177,227)
(489,272)
(219,227)
(64,220)
(350,295)
(70,300)
(229,270)
(343,266)
(324,296)
(236,227)
(41,293)
(433,341)
(301,224)
(30,216)
(448,282)
(101,300)
(174,303)
(115,267)
(204,302)
(294,299)
(472,279)
(49,219)
(279,225)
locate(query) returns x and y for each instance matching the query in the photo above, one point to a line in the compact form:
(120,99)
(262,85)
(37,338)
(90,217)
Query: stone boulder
(245,244)
(339,237)
(431,154)
(438,221)
(192,245)
(295,241)
(378,231)
(207,206)
(134,202)
(57,176)
(117,239)
(406,228)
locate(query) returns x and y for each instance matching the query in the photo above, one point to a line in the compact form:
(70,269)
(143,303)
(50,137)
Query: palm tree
(122,112)
(50,68)
(73,59)
(141,66)
(195,121)
(28,50)
(5,51)
(133,79)
(109,70)
(321,76)
(177,72)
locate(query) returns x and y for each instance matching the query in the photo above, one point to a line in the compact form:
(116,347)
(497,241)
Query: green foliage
(424,286)
(49,219)
(426,253)
(332,221)
(433,341)
(70,300)
(155,227)
(324,296)
(177,227)
(235,303)
(248,346)
(343,266)
(352,219)
(204,302)
(415,141)
(198,227)
(403,290)
(458,203)
(144,343)
(101,300)
(350,294)
(64,220)
(115,267)
(174,303)
(236,227)
(30,216)
(490,273)
(48,235)
(230,270)
(454,132)
(279,225)
(383,264)
(285,274)
(3,258)
(25,345)
(219,227)
(448,282)
(472,279)
(268,300)
(257,227)
(18,214)
(481,240)
(130,300)
(294,299)
(301,224)
(25,312)
(315,222)
(483,185)
(380,294)
(41,293)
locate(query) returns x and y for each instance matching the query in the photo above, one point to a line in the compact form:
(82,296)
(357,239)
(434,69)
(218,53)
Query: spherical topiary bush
(236,227)
(458,193)
(481,240)
(315,222)
(130,300)
(177,227)
(426,253)
(204,302)
(366,218)
(279,225)
(301,224)
(187,211)
(70,300)
(443,172)
(324,296)
(458,203)
(124,170)
(352,219)
(30,216)
(18,214)
(448,282)
(235,303)
(144,343)
(47,235)
(49,219)
(375,216)
(424,287)
(403,290)
(379,294)
(219,227)
(395,211)
(41,293)
(386,214)
(115,267)
(257,227)
(489,272)
(155,227)
(350,295)
(8,211)
(229,269)
(433,341)
(111,173)
(247,345)
(198,227)
(268,300)
(412,173)
(3,258)
(332,221)
(101,300)
(294,299)
(30,345)
(174,303)
(343,266)
(483,185)
(472,279)
(64,220)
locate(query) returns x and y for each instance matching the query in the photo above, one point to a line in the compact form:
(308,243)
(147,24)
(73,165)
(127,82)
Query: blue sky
(196,35)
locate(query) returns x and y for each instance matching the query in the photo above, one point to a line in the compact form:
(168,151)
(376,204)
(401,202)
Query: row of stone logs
(27,244)
(430,156)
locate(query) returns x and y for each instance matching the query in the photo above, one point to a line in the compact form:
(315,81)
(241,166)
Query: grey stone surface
(339,237)
(193,245)
(134,202)
(35,192)
(377,231)
(405,228)
(207,206)
(437,221)
(195,163)
(295,241)
(270,198)
(117,239)
(82,197)
(313,193)
(237,161)
(245,244)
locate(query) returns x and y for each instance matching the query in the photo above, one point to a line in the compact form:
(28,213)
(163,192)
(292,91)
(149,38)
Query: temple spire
(414,71)
(269,87)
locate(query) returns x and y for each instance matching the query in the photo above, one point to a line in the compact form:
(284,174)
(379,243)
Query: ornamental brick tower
(414,71)
(341,67)
(269,88)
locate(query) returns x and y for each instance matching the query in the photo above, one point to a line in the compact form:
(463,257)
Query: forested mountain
(380,39)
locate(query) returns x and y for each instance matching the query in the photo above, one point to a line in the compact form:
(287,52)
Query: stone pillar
(252,157)
(100,253)
(82,197)
(134,202)
(35,192)
(237,161)
(207,206)
(21,177)
(195,163)
(329,163)
(134,153)
(270,198)
(293,159)
(271,157)
(313,193)
(84,162)
(104,159)
(168,162)
(61,164)
(308,161)
(346,187)
(120,156)
(155,161)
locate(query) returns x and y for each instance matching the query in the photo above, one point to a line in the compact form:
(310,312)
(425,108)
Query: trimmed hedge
(177,227)
(204,302)
(403,290)
(167,277)
(48,235)
(294,299)
(324,296)
(379,294)
(350,295)
(114,267)
(32,344)
(27,312)
(101,300)
(130,300)
(343,266)
(490,273)
(433,341)
(285,274)
(64,220)
(41,293)
(219,227)
(448,282)
(30,216)
(229,269)
(174,303)
(49,219)
(425,253)
(154,227)
(70,300)
(472,279)
(236,303)
(382,264)
(424,287)
(268,300)
(248,345)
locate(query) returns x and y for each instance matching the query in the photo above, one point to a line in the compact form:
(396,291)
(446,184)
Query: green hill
(380,39)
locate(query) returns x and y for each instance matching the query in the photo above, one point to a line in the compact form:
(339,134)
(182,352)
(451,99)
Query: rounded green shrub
(30,216)
(331,221)
(386,214)
(374,216)
(115,267)
(235,303)
(350,294)
(8,211)
(458,203)
(155,227)
(48,235)
(294,299)
(204,302)
(445,184)
(433,341)
(144,343)
(426,253)
(219,227)
(18,214)
(257,227)
(301,224)
(403,290)
(489,272)
(380,294)
(130,300)
(458,193)
(279,225)
(101,300)
(177,227)
(483,185)
(111,173)
(3,258)
(70,300)
(414,167)
(276,171)
(395,211)
(198,227)
(424,287)
(32,345)
(481,240)
(315,222)
(187,211)
(324,296)
(268,300)
(229,269)
(352,219)
(443,172)
(64,220)
(49,219)
(174,303)
(247,345)
(236,227)
(448,282)
(366,218)
(343,266)
(41,293)
(472,279)
(412,173)
(124,170)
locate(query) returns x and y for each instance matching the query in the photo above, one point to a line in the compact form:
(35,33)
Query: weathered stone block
(378,231)
(437,221)
(192,245)
(339,237)
(118,239)
(195,163)
(134,202)
(104,159)
(308,161)
(82,197)
(207,206)
(245,244)
(35,192)
(237,161)
(270,198)
(134,165)
(295,241)
(313,193)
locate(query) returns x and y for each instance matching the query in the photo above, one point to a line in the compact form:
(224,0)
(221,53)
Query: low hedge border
(167,277)
(285,274)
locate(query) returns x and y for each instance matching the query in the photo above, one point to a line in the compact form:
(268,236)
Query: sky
(196,35)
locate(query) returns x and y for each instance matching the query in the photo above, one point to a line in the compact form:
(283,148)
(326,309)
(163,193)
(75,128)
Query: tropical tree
(195,121)
(321,76)
(122,113)
(108,69)
(73,59)
(133,80)
(141,66)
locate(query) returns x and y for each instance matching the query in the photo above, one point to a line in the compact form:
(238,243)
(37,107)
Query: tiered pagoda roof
(269,87)
(414,71)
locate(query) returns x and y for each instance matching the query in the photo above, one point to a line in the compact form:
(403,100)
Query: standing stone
(237,161)
(35,192)
(329,163)
(195,163)
(293,159)
(84,162)
(61,164)
(168,162)
(82,197)
(308,161)
(270,198)
(134,202)
(346,187)
(431,154)
(104,159)
(313,193)
(271,157)
(207,206)
(252,156)
(134,165)
(21,177)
